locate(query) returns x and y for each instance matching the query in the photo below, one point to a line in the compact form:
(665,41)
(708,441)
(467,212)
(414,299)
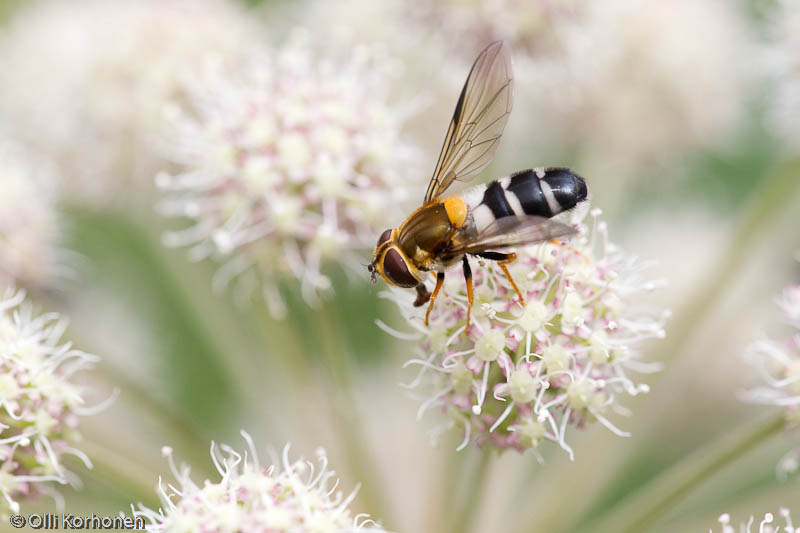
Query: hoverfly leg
(468,279)
(422,295)
(502,261)
(439,282)
(511,257)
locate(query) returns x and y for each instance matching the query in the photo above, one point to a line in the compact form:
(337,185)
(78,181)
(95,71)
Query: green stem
(183,434)
(777,194)
(464,518)
(148,278)
(771,199)
(639,511)
(285,345)
(121,472)
(346,409)
(442,494)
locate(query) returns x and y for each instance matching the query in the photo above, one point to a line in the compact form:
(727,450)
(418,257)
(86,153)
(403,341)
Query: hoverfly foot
(422,295)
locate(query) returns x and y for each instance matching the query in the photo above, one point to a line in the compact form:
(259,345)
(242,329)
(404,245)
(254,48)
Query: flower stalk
(771,199)
(119,471)
(648,504)
(464,518)
(346,409)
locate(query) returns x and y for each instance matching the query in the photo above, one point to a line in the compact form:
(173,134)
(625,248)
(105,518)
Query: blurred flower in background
(41,406)
(523,374)
(629,84)
(297,496)
(613,75)
(29,228)
(777,363)
(766,525)
(530,27)
(286,160)
(619,87)
(84,83)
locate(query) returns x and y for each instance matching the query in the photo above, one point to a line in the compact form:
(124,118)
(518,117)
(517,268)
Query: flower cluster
(286,161)
(299,497)
(778,365)
(28,222)
(764,526)
(85,81)
(39,405)
(523,374)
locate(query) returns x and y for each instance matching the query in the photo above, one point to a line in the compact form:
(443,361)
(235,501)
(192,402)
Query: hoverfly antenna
(372,270)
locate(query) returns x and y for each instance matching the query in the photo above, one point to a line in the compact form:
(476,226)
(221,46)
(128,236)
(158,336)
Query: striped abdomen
(540,192)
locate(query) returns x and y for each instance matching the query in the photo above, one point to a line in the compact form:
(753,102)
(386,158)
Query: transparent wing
(478,121)
(508,232)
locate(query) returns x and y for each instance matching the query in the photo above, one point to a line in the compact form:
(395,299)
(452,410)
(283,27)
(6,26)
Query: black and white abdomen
(539,192)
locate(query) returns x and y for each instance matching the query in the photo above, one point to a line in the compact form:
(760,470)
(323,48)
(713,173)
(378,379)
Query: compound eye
(384,237)
(397,271)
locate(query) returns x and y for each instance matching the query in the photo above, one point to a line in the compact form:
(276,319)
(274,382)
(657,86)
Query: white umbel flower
(40,407)
(525,374)
(29,256)
(778,365)
(296,496)
(768,524)
(85,81)
(287,160)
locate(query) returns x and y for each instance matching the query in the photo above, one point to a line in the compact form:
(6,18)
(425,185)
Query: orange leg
(502,264)
(468,279)
(439,282)
(502,261)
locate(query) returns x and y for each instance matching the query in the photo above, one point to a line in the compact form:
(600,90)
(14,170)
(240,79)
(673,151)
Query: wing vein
(480,117)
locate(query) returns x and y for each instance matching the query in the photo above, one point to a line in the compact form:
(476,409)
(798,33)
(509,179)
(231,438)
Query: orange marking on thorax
(456,211)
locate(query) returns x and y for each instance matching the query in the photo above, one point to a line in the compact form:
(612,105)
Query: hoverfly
(513,211)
